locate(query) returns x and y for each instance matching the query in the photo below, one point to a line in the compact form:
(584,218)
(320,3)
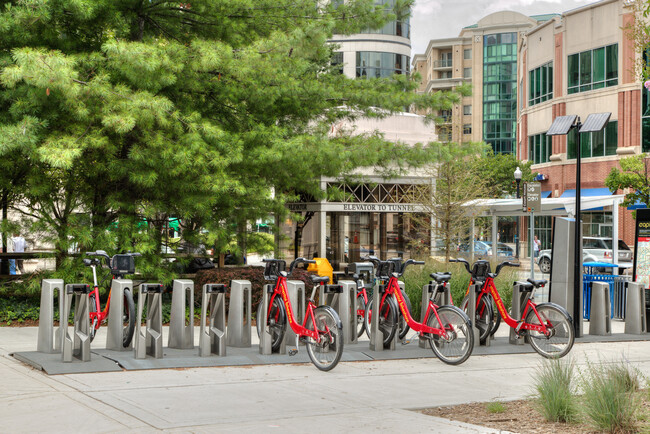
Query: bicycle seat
(441,277)
(317,280)
(537,283)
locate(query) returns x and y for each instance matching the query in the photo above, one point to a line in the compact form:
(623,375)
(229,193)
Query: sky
(436,19)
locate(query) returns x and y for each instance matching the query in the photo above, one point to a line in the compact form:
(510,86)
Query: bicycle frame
(517,325)
(392,288)
(99,313)
(280,290)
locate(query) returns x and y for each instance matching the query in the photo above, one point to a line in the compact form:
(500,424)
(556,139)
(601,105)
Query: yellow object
(322,267)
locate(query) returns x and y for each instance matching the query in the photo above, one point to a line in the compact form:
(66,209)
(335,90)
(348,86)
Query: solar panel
(561,125)
(595,122)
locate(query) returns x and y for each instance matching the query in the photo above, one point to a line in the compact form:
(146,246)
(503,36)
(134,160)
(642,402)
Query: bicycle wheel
(561,335)
(326,353)
(387,320)
(92,308)
(277,322)
(457,344)
(403,326)
(128,319)
(482,318)
(360,313)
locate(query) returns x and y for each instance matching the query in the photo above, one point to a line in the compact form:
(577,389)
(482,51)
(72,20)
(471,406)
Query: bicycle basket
(273,268)
(480,270)
(123,264)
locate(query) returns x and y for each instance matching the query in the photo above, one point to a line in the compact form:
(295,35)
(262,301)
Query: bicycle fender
(563,310)
(339,324)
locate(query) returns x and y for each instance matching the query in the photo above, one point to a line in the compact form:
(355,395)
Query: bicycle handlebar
(377,262)
(504,264)
(464,262)
(300,261)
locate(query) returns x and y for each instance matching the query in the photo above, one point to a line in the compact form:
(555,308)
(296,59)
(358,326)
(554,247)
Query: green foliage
(495,407)
(417,276)
(18,310)
(555,388)
(499,171)
(124,110)
(609,400)
(633,175)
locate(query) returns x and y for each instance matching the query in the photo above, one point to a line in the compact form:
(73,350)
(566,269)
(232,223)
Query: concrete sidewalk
(359,396)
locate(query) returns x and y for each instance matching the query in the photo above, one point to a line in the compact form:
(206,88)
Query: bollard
(600,322)
(376,336)
(635,313)
(266,339)
(212,337)
(239,314)
(49,341)
(181,330)
(296,292)
(77,346)
(520,292)
(343,299)
(114,335)
(471,310)
(149,342)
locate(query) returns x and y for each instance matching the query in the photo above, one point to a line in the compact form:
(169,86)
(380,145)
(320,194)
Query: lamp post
(518,180)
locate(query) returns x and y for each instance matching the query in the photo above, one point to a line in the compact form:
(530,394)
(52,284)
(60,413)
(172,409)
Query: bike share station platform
(229,341)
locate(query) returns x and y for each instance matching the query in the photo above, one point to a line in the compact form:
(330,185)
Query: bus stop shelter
(558,206)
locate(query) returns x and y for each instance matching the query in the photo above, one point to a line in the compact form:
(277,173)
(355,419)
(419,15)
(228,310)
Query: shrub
(253,274)
(609,400)
(418,276)
(555,388)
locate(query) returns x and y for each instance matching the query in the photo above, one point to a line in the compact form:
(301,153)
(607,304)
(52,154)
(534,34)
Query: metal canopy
(561,125)
(595,122)
(559,206)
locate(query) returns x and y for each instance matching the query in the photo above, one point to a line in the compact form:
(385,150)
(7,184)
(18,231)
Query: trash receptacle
(617,292)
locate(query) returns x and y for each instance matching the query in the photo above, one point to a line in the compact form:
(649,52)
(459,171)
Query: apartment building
(578,63)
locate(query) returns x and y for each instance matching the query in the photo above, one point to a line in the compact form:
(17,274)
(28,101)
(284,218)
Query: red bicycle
(321,331)
(120,266)
(447,328)
(548,325)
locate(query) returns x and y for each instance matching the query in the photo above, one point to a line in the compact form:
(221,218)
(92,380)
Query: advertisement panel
(642,247)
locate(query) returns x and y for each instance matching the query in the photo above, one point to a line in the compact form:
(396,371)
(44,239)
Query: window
(445,74)
(539,148)
(445,115)
(400,27)
(500,91)
(593,69)
(372,64)
(467,54)
(467,110)
(596,144)
(467,129)
(540,84)
(467,72)
(337,62)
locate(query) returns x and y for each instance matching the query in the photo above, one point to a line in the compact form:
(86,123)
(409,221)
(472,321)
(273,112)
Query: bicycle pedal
(293,352)
(406,341)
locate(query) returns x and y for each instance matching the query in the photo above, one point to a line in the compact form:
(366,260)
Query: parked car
(480,249)
(594,249)
(503,250)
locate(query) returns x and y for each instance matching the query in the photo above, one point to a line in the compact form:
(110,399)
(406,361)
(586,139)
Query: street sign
(532,197)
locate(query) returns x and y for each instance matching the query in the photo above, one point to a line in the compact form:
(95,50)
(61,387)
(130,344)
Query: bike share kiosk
(239,314)
(561,290)
(271,272)
(212,337)
(149,342)
(77,346)
(342,297)
(49,341)
(181,330)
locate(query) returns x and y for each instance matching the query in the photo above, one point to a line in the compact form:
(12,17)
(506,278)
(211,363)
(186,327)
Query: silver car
(594,249)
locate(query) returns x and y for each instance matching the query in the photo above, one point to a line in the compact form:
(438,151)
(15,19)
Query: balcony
(442,64)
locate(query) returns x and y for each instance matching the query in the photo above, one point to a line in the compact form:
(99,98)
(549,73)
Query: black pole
(577,284)
(518,221)
(4,265)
